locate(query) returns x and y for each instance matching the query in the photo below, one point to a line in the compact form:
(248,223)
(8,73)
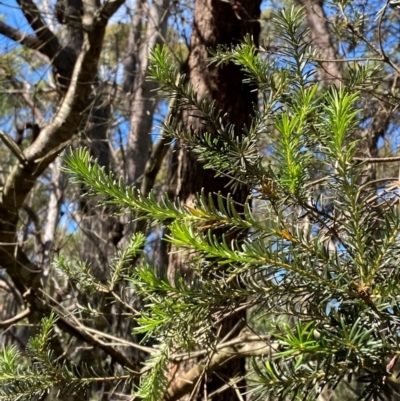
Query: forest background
(74,74)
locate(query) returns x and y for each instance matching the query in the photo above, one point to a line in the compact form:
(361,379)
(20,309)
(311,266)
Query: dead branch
(9,322)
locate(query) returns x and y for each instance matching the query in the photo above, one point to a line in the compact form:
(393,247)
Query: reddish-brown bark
(215,23)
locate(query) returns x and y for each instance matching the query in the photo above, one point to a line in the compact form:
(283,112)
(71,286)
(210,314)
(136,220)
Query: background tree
(215,24)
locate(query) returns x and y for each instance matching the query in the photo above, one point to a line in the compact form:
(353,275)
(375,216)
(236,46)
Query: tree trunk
(215,23)
(320,35)
(44,258)
(143,103)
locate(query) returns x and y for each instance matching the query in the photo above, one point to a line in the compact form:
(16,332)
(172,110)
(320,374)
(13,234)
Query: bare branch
(121,342)
(185,383)
(29,41)
(378,159)
(13,147)
(108,9)
(49,43)
(73,326)
(25,96)
(153,165)
(9,322)
(252,345)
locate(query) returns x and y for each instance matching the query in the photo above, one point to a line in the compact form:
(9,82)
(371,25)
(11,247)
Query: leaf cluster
(322,249)
(319,236)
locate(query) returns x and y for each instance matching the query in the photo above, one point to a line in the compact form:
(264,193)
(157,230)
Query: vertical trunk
(215,23)
(96,222)
(102,232)
(52,218)
(316,19)
(143,103)
(130,62)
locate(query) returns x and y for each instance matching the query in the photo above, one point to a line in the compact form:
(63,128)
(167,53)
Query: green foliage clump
(26,380)
(320,256)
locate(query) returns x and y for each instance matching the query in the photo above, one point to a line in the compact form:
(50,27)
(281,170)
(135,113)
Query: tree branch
(153,164)
(49,43)
(9,322)
(183,384)
(76,329)
(29,41)
(378,159)
(108,9)
(25,96)
(51,140)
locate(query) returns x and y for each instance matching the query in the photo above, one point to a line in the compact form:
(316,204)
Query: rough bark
(215,23)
